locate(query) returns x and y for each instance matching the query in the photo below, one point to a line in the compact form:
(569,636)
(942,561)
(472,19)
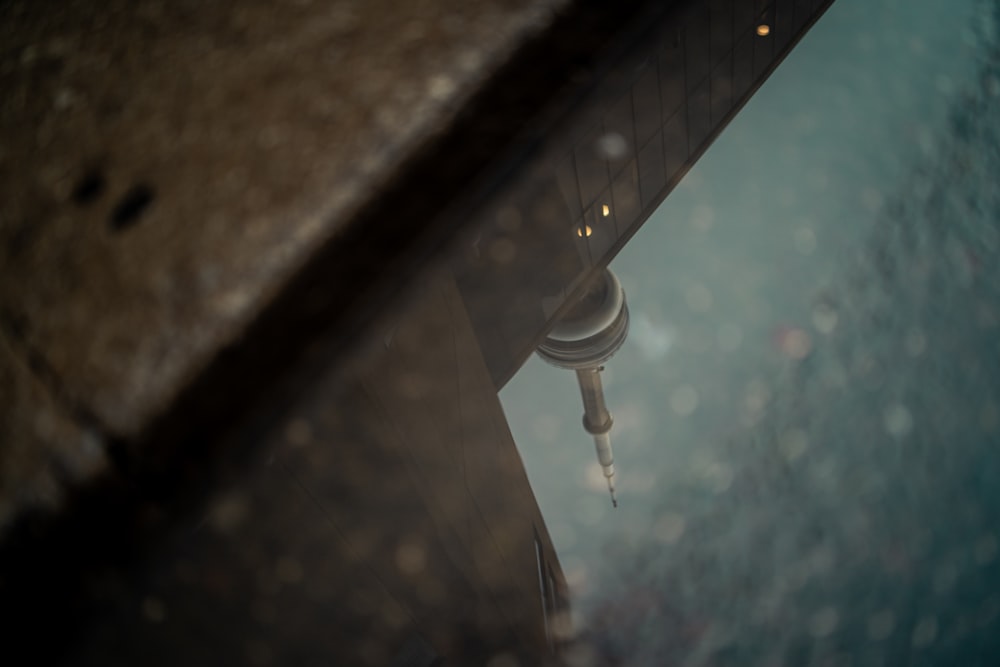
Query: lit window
(584,230)
(763,30)
(606,210)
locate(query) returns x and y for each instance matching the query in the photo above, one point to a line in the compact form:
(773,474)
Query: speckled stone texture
(166,168)
(42,446)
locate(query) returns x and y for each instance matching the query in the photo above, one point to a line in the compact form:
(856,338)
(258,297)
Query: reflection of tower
(583,339)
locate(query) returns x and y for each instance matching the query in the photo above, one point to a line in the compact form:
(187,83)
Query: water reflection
(805,409)
(822,427)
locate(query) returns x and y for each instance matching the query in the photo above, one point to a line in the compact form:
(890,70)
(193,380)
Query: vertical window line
(773,22)
(554,601)
(576,179)
(539,562)
(663,128)
(687,96)
(581,222)
(556,608)
(753,53)
(733,40)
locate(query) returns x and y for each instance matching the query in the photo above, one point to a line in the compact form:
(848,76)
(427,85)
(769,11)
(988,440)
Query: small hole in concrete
(131,207)
(89,188)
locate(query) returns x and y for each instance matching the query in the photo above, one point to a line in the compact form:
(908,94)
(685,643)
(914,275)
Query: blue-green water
(808,409)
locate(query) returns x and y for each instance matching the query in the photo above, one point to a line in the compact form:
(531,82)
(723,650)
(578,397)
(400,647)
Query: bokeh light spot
(824,622)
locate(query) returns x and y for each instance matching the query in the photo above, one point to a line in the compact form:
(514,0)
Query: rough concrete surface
(166,167)
(42,447)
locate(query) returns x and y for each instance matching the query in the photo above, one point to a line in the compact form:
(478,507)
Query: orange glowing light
(606,210)
(584,231)
(763,30)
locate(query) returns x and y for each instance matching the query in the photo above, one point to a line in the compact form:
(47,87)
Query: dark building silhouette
(370,508)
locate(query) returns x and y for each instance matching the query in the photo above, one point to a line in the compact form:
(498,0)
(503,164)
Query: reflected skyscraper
(450,559)
(583,340)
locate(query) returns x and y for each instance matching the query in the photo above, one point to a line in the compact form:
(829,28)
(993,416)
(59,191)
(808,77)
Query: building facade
(626,144)
(376,513)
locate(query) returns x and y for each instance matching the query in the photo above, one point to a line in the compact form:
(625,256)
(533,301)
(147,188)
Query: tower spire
(586,337)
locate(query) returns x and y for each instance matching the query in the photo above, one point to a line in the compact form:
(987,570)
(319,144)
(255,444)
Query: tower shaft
(595,410)
(586,337)
(597,421)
